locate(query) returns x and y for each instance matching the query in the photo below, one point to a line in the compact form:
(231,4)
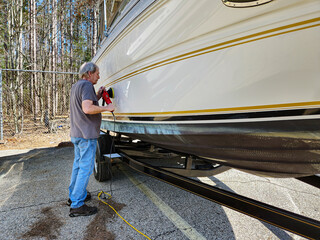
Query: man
(85,120)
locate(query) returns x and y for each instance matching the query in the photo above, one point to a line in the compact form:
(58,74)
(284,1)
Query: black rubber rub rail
(300,225)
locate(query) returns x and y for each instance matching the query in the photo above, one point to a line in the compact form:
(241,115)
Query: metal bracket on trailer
(300,225)
(188,171)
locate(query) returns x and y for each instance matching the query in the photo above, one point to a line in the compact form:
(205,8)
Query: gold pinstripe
(230,110)
(228,44)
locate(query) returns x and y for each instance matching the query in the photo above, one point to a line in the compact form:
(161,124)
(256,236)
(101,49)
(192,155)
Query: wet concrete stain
(65,144)
(47,227)
(97,228)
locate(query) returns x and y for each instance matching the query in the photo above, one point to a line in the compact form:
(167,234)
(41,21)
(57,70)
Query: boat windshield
(114,9)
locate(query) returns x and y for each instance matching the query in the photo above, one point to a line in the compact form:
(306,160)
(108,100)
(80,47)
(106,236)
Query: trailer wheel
(102,167)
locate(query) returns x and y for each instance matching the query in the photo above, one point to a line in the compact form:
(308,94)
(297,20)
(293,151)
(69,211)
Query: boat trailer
(176,169)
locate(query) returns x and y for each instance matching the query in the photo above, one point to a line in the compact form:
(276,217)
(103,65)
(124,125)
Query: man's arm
(89,108)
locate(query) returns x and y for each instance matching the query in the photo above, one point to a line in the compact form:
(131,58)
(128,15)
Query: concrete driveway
(34,189)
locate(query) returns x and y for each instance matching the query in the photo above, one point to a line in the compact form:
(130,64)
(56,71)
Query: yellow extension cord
(118,213)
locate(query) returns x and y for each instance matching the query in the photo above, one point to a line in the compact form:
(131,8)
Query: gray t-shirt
(83,125)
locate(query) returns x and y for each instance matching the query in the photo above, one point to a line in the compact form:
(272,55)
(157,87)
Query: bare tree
(14,51)
(47,35)
(35,89)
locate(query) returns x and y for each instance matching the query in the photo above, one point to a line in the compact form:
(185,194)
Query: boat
(234,82)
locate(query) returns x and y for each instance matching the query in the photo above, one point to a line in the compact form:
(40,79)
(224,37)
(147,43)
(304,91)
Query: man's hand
(99,94)
(110,107)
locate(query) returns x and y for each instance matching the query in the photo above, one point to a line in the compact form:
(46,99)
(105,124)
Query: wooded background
(45,35)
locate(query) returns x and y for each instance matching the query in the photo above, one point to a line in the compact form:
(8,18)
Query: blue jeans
(84,155)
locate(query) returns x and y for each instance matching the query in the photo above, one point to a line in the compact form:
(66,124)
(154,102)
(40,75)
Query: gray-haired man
(85,120)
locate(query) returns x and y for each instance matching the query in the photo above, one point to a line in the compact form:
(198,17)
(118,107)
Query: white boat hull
(237,86)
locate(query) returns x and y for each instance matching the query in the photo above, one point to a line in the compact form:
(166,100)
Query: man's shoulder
(82,83)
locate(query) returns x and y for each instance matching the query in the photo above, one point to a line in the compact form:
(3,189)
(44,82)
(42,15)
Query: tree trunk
(34,59)
(31,85)
(95,30)
(12,51)
(20,66)
(54,57)
(71,37)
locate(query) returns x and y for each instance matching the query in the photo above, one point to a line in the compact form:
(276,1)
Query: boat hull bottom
(264,153)
(269,161)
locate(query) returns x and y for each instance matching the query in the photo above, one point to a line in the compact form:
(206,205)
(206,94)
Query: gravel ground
(34,183)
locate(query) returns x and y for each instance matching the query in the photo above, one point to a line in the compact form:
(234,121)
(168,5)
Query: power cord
(111,178)
(118,213)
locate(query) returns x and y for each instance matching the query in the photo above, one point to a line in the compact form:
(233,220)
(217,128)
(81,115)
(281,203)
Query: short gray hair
(86,68)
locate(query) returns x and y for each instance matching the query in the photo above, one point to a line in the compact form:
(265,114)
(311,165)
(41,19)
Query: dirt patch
(36,140)
(47,227)
(97,228)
